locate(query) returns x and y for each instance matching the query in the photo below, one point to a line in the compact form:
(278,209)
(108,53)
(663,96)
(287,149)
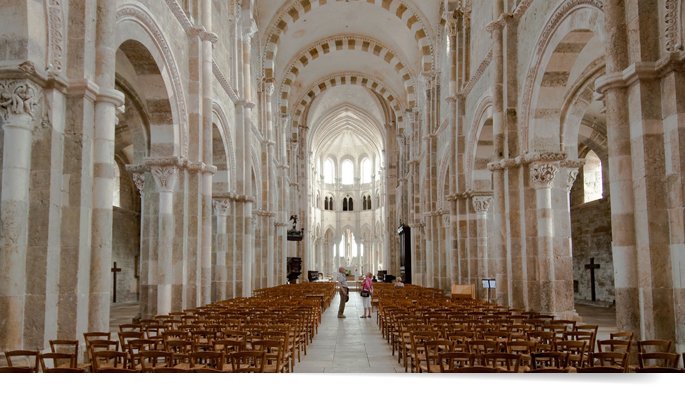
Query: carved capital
(165,177)
(542,174)
(19,99)
(481,204)
(269,86)
(221,207)
(139,180)
(446,220)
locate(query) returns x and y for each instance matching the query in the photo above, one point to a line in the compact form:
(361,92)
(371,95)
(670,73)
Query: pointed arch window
(366,170)
(325,203)
(344,204)
(328,171)
(347,172)
(351,205)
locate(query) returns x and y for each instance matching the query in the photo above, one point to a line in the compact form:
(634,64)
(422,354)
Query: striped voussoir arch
(349,79)
(301,7)
(347,43)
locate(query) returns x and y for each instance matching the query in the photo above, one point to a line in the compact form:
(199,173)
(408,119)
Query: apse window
(592,177)
(328,172)
(366,171)
(347,173)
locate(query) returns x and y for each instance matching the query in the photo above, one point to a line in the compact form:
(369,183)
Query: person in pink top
(367,285)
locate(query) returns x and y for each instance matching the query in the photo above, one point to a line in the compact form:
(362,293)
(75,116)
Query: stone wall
(591,232)
(125,251)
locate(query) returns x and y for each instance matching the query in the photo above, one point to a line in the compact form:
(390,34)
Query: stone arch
(442,176)
(257,174)
(581,16)
(349,79)
(347,43)
(135,22)
(481,115)
(220,117)
(295,9)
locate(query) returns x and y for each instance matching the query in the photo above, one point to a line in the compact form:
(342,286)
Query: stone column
(481,204)
(108,99)
(270,228)
(542,175)
(19,107)
(165,178)
(221,210)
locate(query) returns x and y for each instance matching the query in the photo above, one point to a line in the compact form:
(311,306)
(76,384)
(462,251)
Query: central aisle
(350,345)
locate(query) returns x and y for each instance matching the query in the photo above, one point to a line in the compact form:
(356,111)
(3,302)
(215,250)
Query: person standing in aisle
(344,291)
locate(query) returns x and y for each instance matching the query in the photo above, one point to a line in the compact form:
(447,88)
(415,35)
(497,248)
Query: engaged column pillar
(221,209)
(19,103)
(542,175)
(165,178)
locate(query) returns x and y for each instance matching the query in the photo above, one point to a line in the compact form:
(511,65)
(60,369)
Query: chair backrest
(645,346)
(153,359)
(542,360)
(525,347)
(450,361)
(178,346)
(613,345)
(23,358)
(483,346)
(659,370)
(210,359)
(661,359)
(124,337)
(64,346)
(116,359)
(503,361)
(16,369)
(131,328)
(248,361)
(58,360)
(614,359)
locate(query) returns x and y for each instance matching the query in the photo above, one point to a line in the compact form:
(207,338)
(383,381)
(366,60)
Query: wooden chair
(525,349)
(649,346)
(284,336)
(131,328)
(575,350)
(483,346)
(661,359)
(206,359)
(504,362)
(134,349)
(89,337)
(621,336)
(544,339)
(180,352)
(613,346)
(23,358)
(544,360)
(108,360)
(609,359)
(248,361)
(601,369)
(450,361)
(154,359)
(116,370)
(68,347)
(593,329)
(275,363)
(125,337)
(171,370)
(433,350)
(417,355)
(58,360)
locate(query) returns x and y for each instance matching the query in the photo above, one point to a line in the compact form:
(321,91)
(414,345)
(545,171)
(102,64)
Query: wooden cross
(115,270)
(592,268)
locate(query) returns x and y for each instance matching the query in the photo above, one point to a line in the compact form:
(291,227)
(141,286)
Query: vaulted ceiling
(316,49)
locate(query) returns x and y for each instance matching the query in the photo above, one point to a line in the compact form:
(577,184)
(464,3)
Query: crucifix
(115,270)
(592,268)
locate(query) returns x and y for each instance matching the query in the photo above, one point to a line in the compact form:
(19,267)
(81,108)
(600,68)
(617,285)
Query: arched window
(368,202)
(366,171)
(330,203)
(328,171)
(351,205)
(347,172)
(325,203)
(116,186)
(342,246)
(592,177)
(363,202)
(344,204)
(353,247)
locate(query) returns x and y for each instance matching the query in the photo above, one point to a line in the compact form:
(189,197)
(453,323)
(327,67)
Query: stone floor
(355,345)
(350,345)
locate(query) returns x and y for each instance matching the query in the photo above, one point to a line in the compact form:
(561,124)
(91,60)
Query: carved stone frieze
(542,174)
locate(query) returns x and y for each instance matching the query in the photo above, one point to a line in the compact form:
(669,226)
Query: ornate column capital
(481,204)
(542,174)
(269,86)
(221,207)
(20,101)
(572,174)
(165,177)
